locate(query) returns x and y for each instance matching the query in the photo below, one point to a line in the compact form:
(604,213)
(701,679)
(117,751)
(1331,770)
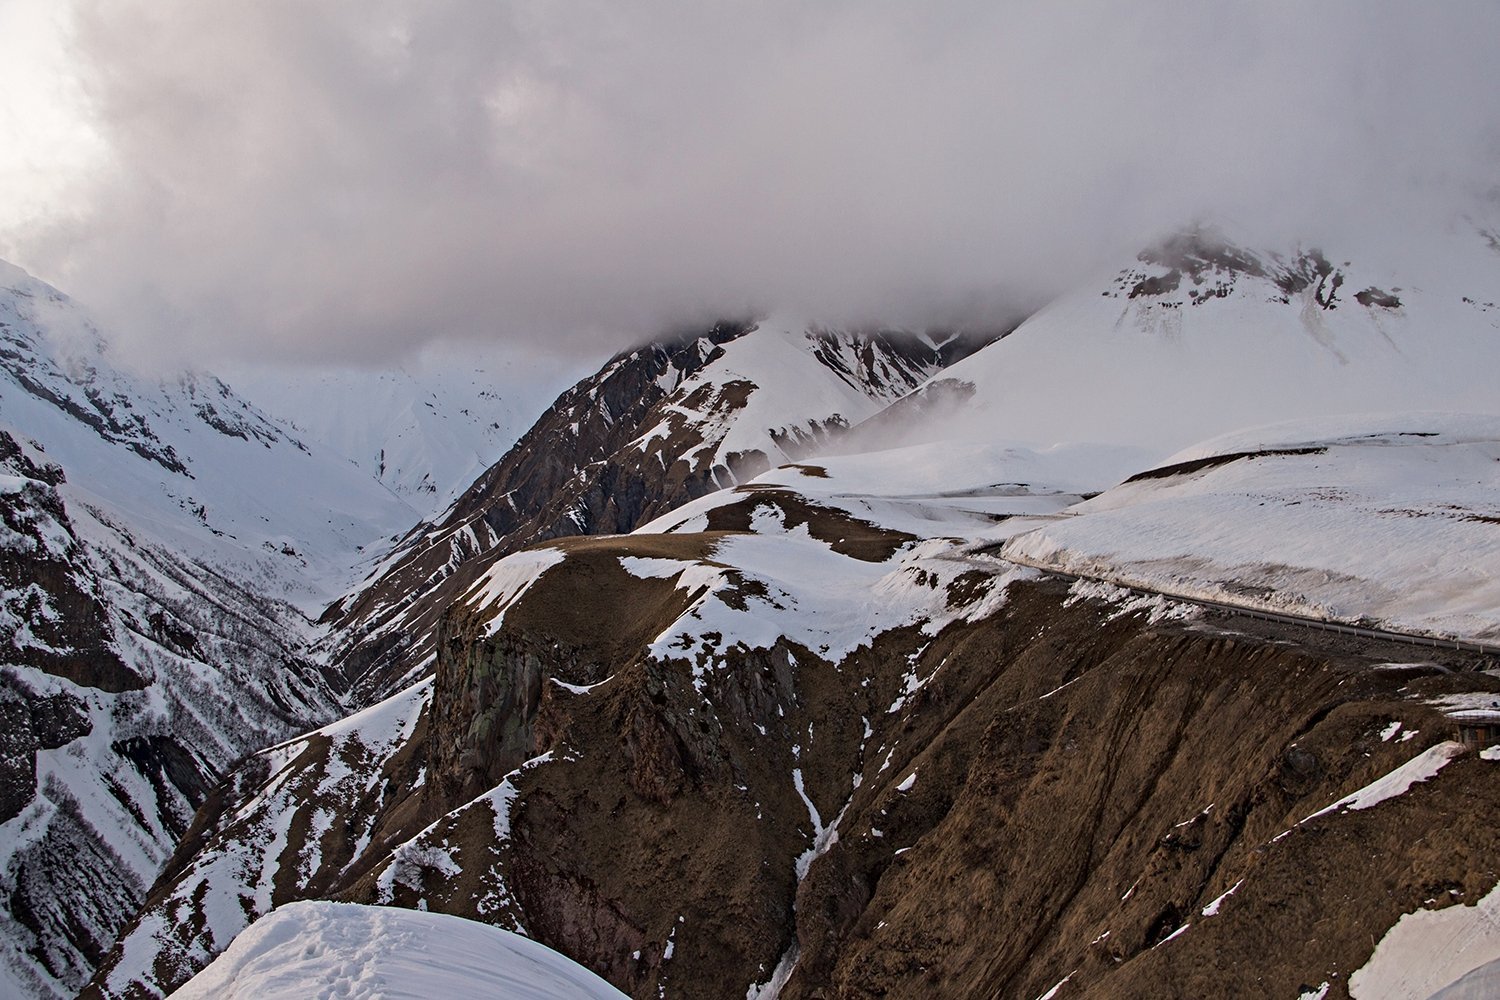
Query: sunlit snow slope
(427,428)
(1200,336)
(347,950)
(183,460)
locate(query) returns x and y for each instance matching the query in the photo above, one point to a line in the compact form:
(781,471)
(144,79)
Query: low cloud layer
(353,178)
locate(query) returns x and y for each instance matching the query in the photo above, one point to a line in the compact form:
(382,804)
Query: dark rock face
(52,616)
(28,723)
(487,713)
(558,480)
(1158,779)
(1200,264)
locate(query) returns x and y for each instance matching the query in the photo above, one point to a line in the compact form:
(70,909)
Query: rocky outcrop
(52,613)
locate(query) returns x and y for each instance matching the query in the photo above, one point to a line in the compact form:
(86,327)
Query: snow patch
(344,949)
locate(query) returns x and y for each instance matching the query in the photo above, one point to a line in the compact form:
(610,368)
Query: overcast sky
(353,178)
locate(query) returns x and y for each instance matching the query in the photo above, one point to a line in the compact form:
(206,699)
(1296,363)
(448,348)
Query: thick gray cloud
(355,177)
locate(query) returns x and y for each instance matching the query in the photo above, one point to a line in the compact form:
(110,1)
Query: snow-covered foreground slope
(346,950)
(1391,520)
(1448,954)
(1199,336)
(427,428)
(162,543)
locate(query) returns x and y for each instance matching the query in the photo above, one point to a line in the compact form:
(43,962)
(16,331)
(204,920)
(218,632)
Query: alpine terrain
(1146,651)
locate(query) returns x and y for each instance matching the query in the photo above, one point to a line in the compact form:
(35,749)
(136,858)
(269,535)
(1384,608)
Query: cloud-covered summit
(349,177)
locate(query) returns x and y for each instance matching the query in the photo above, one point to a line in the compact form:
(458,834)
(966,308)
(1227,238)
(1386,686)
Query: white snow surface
(427,427)
(1391,518)
(504,582)
(1428,950)
(233,876)
(789,391)
(1482,983)
(319,949)
(1160,372)
(834,603)
(947,489)
(1423,767)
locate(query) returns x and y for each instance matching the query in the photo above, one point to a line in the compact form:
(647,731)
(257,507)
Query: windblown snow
(348,950)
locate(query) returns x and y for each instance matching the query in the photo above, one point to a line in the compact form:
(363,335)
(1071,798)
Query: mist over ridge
(337,180)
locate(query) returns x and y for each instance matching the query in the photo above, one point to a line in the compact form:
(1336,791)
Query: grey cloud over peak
(355,178)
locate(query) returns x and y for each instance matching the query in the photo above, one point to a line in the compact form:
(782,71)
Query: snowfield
(1429,950)
(307,950)
(1391,519)
(425,429)
(1198,337)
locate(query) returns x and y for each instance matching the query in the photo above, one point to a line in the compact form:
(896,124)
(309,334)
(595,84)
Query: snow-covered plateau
(1390,520)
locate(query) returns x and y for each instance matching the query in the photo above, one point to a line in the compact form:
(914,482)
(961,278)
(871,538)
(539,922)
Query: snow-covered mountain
(1201,335)
(795,726)
(655,427)
(426,428)
(163,544)
(184,460)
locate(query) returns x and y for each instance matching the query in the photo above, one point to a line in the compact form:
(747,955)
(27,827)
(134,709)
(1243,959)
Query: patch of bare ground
(845,534)
(1074,774)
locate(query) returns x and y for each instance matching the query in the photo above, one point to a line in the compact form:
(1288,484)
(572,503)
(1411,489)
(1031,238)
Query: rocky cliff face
(792,751)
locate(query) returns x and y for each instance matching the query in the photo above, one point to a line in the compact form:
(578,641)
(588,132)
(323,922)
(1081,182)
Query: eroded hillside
(803,747)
